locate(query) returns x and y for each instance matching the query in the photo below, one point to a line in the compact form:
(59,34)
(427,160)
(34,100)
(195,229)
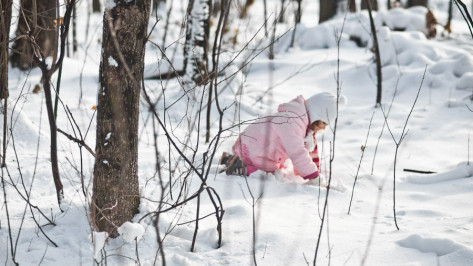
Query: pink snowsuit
(268,142)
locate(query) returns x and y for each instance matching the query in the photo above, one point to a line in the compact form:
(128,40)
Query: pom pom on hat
(323,106)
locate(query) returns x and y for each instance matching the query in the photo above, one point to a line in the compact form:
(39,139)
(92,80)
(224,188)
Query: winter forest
(116,113)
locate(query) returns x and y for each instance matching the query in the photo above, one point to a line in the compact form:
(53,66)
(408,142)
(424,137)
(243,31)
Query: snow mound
(23,128)
(131,231)
(99,239)
(413,19)
(448,251)
(462,171)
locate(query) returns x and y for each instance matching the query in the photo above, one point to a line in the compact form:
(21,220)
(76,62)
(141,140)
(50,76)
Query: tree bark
(96,6)
(37,19)
(412,3)
(299,11)
(5,20)
(364,4)
(197,41)
(379,73)
(328,9)
(115,198)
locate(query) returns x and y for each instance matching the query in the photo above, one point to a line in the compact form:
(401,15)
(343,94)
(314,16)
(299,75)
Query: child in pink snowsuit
(288,134)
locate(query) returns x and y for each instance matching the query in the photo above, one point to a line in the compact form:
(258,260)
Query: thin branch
(78,141)
(359,164)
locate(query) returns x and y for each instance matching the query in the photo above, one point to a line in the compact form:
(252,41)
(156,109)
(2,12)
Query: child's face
(318,126)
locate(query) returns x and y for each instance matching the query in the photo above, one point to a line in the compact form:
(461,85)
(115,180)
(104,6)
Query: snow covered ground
(433,211)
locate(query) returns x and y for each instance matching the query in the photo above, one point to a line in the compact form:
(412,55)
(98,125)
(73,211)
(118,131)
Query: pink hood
(269,141)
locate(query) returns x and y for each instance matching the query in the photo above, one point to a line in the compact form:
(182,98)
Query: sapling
(399,141)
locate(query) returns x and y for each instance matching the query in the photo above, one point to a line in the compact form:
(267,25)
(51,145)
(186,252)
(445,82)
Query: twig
(78,141)
(467,17)
(5,203)
(359,164)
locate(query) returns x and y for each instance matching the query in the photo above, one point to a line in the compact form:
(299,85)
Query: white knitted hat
(323,106)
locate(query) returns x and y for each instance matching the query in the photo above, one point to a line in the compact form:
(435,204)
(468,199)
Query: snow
(112,62)
(99,239)
(131,232)
(433,211)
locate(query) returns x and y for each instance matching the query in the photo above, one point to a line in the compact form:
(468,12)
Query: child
(289,134)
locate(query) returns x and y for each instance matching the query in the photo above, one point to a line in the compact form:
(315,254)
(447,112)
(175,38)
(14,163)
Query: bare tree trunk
(411,3)
(351,5)
(328,9)
(448,26)
(74,31)
(96,6)
(379,73)
(281,12)
(35,18)
(5,20)
(197,40)
(265,13)
(115,198)
(364,4)
(244,10)
(299,11)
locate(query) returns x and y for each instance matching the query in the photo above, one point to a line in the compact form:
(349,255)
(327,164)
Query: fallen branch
(418,171)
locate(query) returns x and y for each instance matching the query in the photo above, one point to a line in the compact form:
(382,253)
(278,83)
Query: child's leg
(235,166)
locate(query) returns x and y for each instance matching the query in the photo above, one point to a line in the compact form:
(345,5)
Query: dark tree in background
(299,11)
(328,9)
(96,6)
(115,198)
(5,20)
(351,5)
(37,19)
(411,3)
(364,4)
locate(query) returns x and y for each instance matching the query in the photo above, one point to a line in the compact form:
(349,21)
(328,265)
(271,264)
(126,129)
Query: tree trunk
(364,4)
(74,31)
(448,26)
(197,41)
(351,6)
(115,198)
(36,18)
(299,11)
(96,6)
(5,20)
(245,8)
(281,12)
(379,73)
(412,3)
(328,9)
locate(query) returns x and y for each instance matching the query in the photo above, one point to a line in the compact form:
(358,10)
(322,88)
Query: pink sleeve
(292,138)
